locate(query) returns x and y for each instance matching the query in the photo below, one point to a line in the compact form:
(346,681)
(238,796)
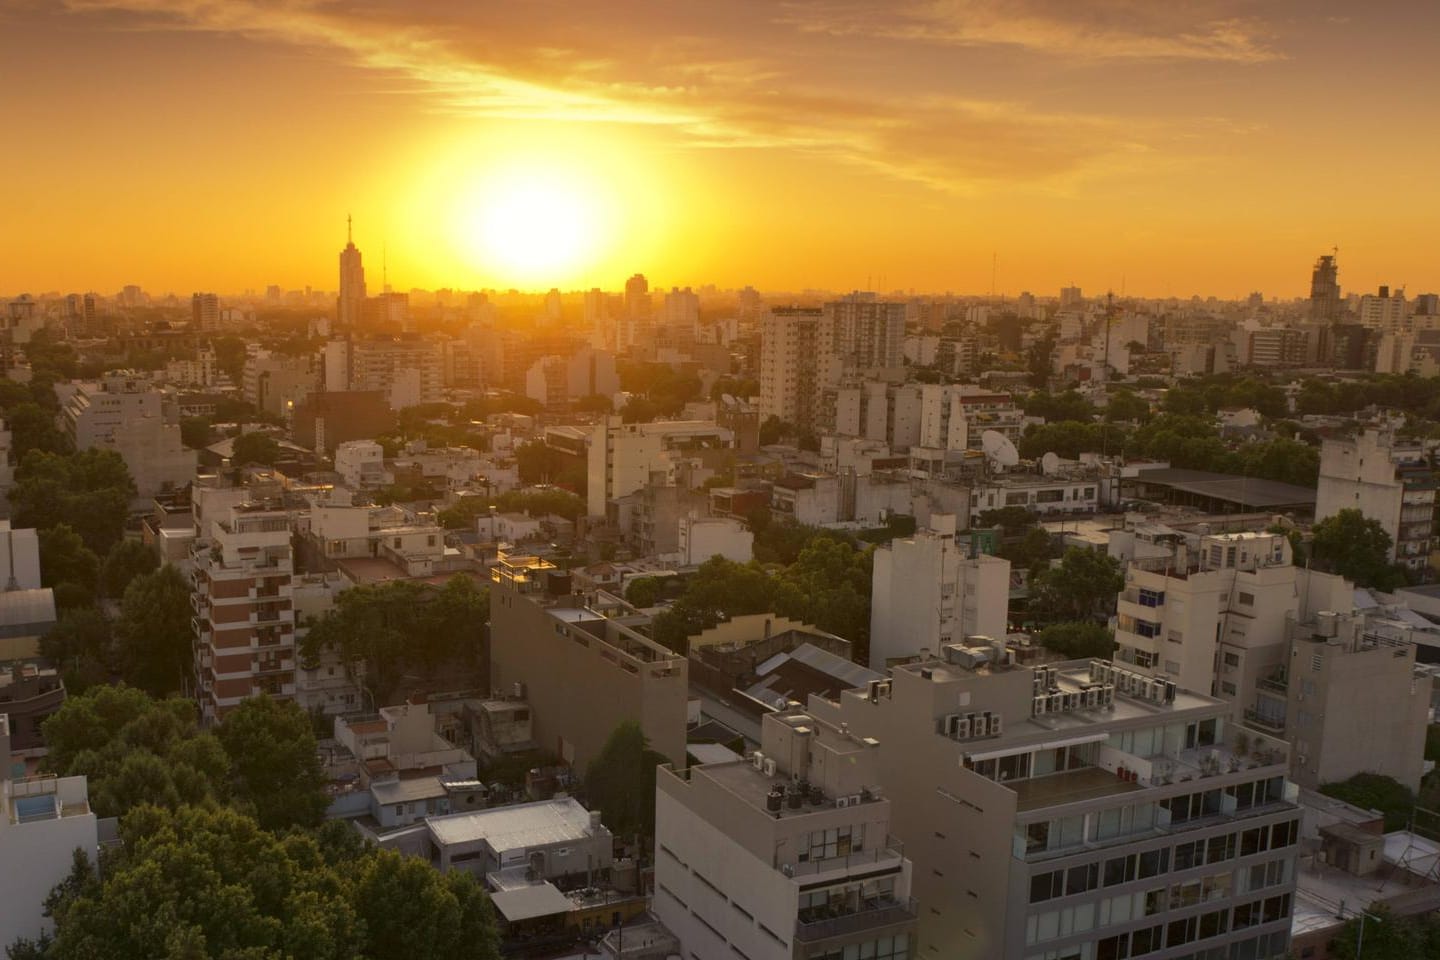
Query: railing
(1273,684)
(882,913)
(892,849)
(1269,723)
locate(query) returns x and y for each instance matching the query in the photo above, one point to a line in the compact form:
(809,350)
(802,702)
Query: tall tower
(352,283)
(1325,290)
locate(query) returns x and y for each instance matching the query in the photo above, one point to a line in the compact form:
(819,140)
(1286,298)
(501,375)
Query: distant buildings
(124,413)
(1325,291)
(205,312)
(277,384)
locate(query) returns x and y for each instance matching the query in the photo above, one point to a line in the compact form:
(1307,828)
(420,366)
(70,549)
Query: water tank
(794,799)
(1327,623)
(774,801)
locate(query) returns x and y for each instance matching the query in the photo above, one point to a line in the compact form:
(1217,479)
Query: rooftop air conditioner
(769,767)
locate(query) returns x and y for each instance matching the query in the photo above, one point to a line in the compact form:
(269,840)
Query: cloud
(714,90)
(1106,30)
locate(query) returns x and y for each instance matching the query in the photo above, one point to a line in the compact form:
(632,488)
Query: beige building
(124,413)
(787,854)
(1389,481)
(1078,810)
(276,383)
(792,364)
(583,669)
(625,457)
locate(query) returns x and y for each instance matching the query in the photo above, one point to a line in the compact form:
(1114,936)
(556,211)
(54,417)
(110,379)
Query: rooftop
(517,827)
(1246,491)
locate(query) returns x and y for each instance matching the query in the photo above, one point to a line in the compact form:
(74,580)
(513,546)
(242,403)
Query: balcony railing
(893,849)
(875,914)
(1272,724)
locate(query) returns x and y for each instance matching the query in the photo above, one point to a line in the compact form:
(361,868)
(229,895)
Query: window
(1082,878)
(1047,886)
(1119,870)
(1227,688)
(1232,659)
(1153,863)
(1247,599)
(1151,598)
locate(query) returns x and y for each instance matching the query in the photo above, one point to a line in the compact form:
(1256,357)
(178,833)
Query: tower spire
(347,229)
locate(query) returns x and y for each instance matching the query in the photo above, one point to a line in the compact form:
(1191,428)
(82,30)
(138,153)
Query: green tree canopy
(620,782)
(1083,586)
(153,637)
(255,447)
(64,558)
(211,883)
(1372,791)
(79,644)
(274,763)
(32,427)
(1357,548)
(127,560)
(1078,640)
(90,490)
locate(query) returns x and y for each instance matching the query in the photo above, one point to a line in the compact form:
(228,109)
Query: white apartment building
(126,414)
(623,456)
(244,617)
(276,383)
(787,854)
(1075,811)
(43,821)
(867,333)
(1388,480)
(1383,310)
(701,538)
(407,370)
(926,593)
(361,465)
(1046,495)
(793,358)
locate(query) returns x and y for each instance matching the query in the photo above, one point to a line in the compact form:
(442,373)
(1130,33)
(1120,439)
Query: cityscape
(942,556)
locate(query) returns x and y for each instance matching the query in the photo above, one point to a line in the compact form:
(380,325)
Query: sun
(532,227)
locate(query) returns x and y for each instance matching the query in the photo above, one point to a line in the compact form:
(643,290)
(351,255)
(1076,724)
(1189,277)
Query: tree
(32,427)
(195,432)
(1033,551)
(1082,587)
(1078,640)
(136,750)
(1387,936)
(1372,791)
(1357,548)
(774,430)
(643,591)
(1124,405)
(64,558)
(90,490)
(127,560)
(1059,406)
(1013,521)
(620,782)
(153,636)
(255,447)
(80,644)
(275,767)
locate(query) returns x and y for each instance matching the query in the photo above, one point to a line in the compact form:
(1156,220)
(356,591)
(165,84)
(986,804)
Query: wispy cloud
(1107,30)
(714,93)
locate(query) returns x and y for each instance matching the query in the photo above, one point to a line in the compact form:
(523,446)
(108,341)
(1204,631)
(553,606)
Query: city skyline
(1167,153)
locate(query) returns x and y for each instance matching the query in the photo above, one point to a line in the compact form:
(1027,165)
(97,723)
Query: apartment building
(787,854)
(406,370)
(1388,480)
(1077,491)
(361,465)
(244,619)
(793,357)
(926,591)
(1353,702)
(43,821)
(124,413)
(276,383)
(1079,811)
(622,457)
(583,667)
(866,333)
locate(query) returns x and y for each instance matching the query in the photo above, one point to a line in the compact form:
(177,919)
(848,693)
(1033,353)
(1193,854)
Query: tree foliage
(1357,548)
(620,782)
(402,625)
(1372,791)
(210,883)
(255,447)
(90,490)
(1388,936)
(64,558)
(153,638)
(1078,640)
(126,561)
(80,644)
(275,770)
(1058,406)
(1082,587)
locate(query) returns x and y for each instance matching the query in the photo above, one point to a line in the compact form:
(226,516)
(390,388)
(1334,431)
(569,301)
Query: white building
(793,358)
(125,414)
(785,855)
(43,821)
(927,593)
(361,465)
(623,456)
(1387,480)
(704,537)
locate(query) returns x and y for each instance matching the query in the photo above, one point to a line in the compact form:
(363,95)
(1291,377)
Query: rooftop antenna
(994,258)
(385,265)
(348,238)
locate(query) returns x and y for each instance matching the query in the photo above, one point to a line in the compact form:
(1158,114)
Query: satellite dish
(728,400)
(1050,464)
(998,449)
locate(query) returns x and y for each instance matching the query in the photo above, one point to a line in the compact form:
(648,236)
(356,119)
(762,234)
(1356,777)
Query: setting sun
(535,227)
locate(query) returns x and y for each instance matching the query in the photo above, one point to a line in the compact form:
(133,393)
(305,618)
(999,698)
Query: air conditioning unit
(758,760)
(962,729)
(995,725)
(1056,703)
(769,767)
(1038,706)
(1170,691)
(842,801)
(952,723)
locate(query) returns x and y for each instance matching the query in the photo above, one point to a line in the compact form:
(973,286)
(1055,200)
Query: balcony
(891,852)
(1273,725)
(872,915)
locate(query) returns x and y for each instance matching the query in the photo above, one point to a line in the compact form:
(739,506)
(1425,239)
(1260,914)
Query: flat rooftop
(518,827)
(753,787)
(1072,786)
(1245,491)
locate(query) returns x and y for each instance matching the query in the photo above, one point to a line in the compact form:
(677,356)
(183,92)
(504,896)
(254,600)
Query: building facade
(1388,480)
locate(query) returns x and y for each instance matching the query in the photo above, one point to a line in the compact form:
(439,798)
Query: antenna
(348,239)
(385,265)
(994,257)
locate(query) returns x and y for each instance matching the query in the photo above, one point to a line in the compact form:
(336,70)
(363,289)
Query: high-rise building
(205,311)
(680,314)
(866,332)
(788,854)
(791,364)
(1387,479)
(1325,290)
(637,297)
(352,284)
(244,619)
(926,593)
(1078,810)
(1070,297)
(1384,309)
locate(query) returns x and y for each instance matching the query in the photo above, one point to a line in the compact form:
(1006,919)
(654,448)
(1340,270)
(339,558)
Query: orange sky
(188,144)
